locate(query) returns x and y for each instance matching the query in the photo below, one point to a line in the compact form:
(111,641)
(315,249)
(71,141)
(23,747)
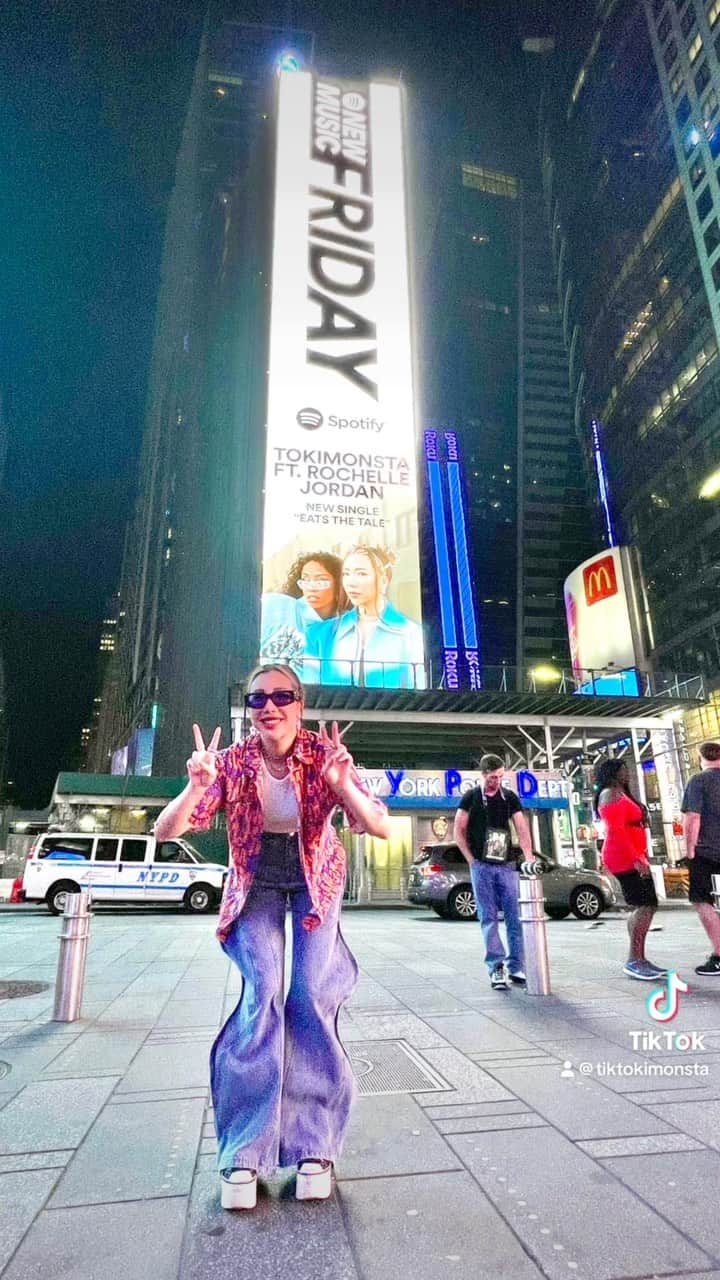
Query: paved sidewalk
(479,1160)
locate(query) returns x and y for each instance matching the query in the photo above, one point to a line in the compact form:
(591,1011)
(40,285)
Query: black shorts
(701,872)
(638,891)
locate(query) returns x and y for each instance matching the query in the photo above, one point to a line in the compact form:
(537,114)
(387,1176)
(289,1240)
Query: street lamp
(710,487)
(545,674)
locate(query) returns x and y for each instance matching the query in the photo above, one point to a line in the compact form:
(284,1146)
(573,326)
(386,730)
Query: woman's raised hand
(338,764)
(201,768)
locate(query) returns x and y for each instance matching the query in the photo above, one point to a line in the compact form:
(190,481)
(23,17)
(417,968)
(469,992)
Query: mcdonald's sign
(598,596)
(600,580)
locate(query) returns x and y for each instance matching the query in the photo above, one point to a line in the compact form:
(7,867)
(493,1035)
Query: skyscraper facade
(629,139)
(191,576)
(497,374)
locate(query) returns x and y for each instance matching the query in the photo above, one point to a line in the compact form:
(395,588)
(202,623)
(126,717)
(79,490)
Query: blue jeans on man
(495,886)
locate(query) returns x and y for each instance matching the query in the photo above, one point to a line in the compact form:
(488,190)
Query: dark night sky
(94,96)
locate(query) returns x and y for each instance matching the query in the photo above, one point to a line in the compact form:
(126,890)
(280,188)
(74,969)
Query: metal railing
(542,678)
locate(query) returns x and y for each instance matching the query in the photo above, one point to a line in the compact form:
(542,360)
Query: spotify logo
(310,419)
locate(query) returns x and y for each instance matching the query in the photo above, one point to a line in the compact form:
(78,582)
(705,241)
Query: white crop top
(280,806)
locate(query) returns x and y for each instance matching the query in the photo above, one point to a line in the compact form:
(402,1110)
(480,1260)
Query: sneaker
(658,969)
(641,970)
(238,1189)
(518,978)
(711,967)
(498,981)
(314,1180)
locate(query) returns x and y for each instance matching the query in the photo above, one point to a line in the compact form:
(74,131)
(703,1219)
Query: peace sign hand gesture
(338,764)
(201,768)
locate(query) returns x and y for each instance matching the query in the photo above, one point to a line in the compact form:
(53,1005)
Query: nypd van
(120,868)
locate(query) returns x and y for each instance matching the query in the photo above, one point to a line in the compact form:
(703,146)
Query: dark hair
(709,751)
(606,775)
(490,762)
(382,561)
(331,562)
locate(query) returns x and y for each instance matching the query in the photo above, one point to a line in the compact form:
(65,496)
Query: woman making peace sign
(282,1083)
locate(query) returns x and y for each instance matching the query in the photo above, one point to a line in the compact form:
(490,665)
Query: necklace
(276,766)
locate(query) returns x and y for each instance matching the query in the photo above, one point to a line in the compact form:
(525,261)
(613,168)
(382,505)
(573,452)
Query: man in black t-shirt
(701,806)
(483,834)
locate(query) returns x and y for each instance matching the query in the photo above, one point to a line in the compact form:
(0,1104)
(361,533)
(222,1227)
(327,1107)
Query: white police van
(120,868)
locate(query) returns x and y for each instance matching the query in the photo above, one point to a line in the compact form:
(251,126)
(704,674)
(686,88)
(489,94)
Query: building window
(712,237)
(687,21)
(657,6)
(682,114)
(489,180)
(697,171)
(694,48)
(670,55)
(709,109)
(704,204)
(717,47)
(664,29)
(716,274)
(713,13)
(677,81)
(714,143)
(702,77)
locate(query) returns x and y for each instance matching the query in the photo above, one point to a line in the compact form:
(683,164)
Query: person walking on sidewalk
(282,1083)
(701,806)
(624,853)
(482,833)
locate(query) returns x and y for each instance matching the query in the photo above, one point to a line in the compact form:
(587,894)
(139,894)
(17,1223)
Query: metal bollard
(73,954)
(716,891)
(531,902)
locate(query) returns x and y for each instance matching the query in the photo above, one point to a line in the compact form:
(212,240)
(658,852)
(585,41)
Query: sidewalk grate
(392,1066)
(15,990)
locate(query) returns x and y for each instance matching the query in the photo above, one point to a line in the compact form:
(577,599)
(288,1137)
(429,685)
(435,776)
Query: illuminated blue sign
(458,613)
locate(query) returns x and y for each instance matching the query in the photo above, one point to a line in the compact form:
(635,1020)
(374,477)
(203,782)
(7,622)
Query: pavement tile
(439,1112)
(469,1081)
(581,1107)
(35,1160)
(682,1187)
(429,1001)
(641,1144)
(52,1113)
(104,1242)
(99,1051)
(698,1119)
(397,1218)
(135,1153)
(280,1238)
(181,1065)
(390,1026)
(389,1134)
(22,1196)
(618,1234)
(191,1013)
(473,1032)
(482,1124)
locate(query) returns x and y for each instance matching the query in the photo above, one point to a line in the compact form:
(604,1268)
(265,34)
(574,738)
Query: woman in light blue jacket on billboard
(312,592)
(373,644)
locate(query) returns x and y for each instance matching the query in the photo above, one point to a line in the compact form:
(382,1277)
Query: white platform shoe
(238,1189)
(314,1180)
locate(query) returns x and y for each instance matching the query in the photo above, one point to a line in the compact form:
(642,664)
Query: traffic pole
(531,902)
(70,978)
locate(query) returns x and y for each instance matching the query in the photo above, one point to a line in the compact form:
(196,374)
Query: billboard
(598,602)
(341,580)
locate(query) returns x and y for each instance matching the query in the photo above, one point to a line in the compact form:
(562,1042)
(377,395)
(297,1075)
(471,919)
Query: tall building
(497,374)
(191,576)
(630,136)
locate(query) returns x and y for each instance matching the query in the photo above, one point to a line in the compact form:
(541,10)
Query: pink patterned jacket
(238,790)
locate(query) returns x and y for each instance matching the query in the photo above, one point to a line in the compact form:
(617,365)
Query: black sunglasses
(279,698)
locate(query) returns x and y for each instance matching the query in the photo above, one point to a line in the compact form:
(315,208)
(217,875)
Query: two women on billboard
(364,641)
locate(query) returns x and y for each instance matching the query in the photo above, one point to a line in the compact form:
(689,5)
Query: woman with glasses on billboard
(312,592)
(282,1084)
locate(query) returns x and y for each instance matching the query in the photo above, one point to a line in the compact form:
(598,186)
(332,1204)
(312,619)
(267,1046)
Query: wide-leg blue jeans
(282,1083)
(495,886)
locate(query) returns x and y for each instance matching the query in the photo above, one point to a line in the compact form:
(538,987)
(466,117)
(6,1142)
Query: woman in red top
(624,854)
